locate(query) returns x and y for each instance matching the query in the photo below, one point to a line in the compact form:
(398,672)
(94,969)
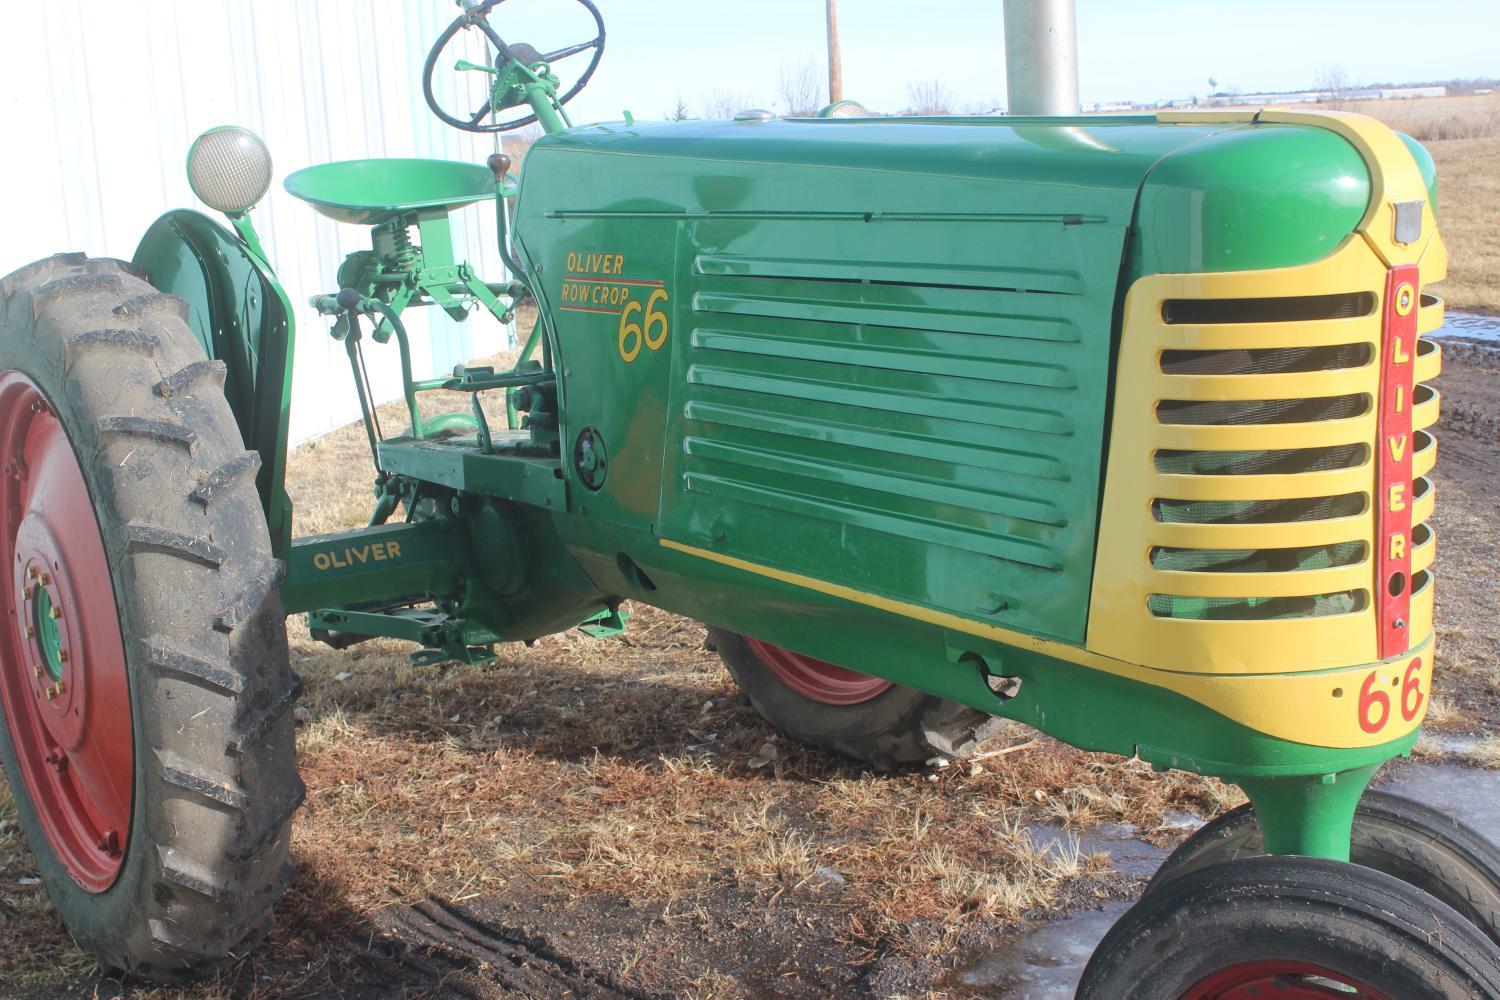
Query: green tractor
(1115,426)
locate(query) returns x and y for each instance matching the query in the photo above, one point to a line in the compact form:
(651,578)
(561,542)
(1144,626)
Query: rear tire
(1285,927)
(210,690)
(1392,834)
(894,726)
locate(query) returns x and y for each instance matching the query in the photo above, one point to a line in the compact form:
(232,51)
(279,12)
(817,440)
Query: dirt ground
(605,818)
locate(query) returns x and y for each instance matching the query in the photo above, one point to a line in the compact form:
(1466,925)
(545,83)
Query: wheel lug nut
(46,580)
(37,671)
(56,612)
(62,656)
(110,843)
(31,572)
(30,632)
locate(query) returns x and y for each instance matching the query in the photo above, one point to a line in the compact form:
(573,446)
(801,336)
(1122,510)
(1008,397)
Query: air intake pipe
(1041,57)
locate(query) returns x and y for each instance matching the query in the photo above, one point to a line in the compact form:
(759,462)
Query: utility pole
(835,64)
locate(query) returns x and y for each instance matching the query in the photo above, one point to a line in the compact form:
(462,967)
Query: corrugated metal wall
(102,98)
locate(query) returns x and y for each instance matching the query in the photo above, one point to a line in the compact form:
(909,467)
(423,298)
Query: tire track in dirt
(505,958)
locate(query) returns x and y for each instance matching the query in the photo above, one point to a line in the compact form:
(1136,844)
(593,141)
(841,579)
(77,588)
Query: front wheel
(144,678)
(1415,843)
(1291,929)
(863,717)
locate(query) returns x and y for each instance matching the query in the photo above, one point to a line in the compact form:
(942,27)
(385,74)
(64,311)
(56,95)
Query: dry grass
(1444,716)
(587,770)
(1486,754)
(1463,134)
(1468,204)
(1439,119)
(632,770)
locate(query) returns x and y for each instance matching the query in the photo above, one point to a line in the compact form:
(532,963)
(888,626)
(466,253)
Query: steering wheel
(516,67)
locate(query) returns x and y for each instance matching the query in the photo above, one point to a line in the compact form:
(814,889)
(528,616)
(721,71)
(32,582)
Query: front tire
(1291,927)
(1392,834)
(148,737)
(865,718)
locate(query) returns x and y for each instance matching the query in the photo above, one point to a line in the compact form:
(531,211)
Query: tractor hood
(879,351)
(1220,196)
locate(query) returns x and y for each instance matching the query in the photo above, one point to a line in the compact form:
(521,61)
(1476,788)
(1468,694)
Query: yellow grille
(1237,526)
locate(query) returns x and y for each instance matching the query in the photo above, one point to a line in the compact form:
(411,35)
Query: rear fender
(243,317)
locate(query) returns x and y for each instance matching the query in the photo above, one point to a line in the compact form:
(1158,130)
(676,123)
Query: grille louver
(1288,465)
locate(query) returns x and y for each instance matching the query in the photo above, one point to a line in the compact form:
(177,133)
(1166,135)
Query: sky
(1144,50)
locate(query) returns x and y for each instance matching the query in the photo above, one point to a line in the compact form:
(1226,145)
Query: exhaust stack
(1041,57)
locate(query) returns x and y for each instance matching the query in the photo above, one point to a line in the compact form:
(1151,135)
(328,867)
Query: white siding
(101,99)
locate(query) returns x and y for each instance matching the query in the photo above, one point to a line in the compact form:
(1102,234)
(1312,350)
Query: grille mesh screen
(1268,361)
(1283,309)
(1264,411)
(1251,363)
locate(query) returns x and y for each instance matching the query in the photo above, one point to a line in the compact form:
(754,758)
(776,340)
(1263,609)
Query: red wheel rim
(62,669)
(815,679)
(1280,981)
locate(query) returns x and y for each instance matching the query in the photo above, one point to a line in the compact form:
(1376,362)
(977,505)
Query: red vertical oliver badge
(1393,494)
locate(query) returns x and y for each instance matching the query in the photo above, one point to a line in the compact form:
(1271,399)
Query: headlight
(229,168)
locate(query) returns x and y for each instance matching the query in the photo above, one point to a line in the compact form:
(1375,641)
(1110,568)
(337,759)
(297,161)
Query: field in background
(1463,134)
(1438,119)
(1469,219)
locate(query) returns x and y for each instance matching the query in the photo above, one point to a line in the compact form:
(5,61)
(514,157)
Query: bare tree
(724,103)
(1334,87)
(799,88)
(679,113)
(928,97)
(518,143)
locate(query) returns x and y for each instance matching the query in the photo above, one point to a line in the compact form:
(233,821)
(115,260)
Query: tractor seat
(374,192)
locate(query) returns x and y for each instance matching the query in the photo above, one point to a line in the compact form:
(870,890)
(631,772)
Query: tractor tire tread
(257,726)
(149,538)
(88,283)
(38,272)
(111,337)
(178,772)
(252,842)
(207,858)
(154,304)
(189,373)
(165,431)
(1353,920)
(169,662)
(193,881)
(225,477)
(244,605)
(1394,834)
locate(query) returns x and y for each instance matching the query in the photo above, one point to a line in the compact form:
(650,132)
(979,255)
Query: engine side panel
(909,408)
(881,361)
